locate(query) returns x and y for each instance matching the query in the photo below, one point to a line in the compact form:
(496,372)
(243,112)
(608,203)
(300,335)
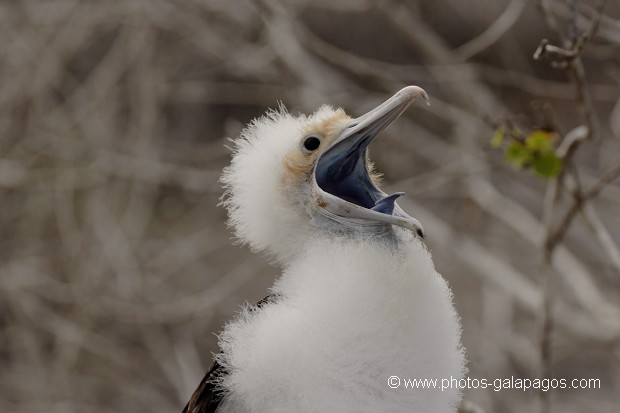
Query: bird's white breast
(352,313)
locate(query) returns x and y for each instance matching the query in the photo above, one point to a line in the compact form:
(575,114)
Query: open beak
(341,175)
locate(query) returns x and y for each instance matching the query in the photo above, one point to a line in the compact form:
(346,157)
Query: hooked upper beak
(341,175)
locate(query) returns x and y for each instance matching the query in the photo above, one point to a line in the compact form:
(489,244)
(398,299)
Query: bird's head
(295,178)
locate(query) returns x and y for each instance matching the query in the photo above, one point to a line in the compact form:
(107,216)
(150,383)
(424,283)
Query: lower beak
(341,174)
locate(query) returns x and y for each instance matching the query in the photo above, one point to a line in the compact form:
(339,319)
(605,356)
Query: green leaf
(548,164)
(498,138)
(517,155)
(540,141)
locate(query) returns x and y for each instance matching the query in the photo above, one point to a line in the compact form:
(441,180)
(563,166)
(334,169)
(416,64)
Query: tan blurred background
(116,267)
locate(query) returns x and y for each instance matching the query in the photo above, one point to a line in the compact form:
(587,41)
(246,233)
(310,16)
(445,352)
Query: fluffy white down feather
(352,314)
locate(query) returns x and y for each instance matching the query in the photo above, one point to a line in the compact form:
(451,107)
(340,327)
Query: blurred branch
(592,218)
(602,234)
(493,33)
(570,58)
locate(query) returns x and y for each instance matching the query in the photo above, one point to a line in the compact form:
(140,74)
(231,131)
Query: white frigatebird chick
(358,300)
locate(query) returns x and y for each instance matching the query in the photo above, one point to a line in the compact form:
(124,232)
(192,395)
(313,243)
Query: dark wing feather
(206,397)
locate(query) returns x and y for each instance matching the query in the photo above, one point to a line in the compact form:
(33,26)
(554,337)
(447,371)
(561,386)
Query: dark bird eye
(311,143)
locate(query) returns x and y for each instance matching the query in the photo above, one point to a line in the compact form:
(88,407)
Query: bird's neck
(361,266)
